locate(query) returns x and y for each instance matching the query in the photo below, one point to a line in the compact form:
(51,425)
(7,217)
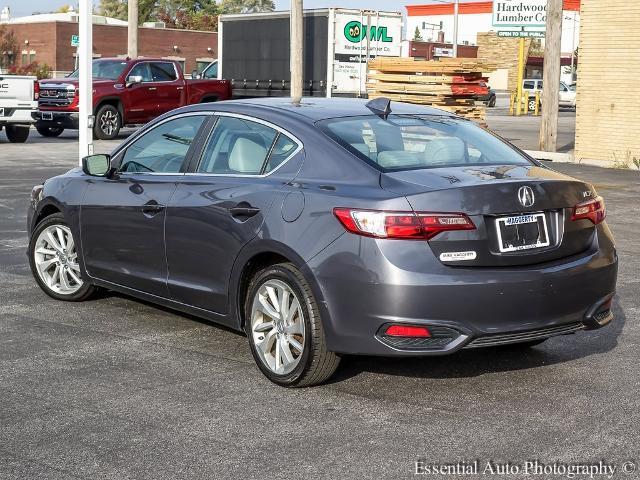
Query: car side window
(212,71)
(141,69)
(282,150)
(164,148)
(528,85)
(237,146)
(163,72)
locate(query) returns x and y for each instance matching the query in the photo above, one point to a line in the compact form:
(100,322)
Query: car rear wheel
(17,133)
(532,104)
(108,123)
(53,258)
(285,330)
(49,131)
(492,102)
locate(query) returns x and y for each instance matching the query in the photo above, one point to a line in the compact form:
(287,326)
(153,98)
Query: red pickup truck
(125,92)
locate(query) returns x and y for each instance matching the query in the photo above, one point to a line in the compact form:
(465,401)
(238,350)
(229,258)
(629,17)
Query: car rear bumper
(70,120)
(18,116)
(368,284)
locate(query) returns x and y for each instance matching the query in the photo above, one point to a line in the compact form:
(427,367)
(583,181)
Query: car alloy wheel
(109,122)
(277,326)
(285,330)
(56,260)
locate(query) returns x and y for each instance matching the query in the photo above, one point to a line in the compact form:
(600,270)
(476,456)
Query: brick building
(608,94)
(47,40)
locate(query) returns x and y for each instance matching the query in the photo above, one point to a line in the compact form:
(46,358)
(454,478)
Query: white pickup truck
(18,98)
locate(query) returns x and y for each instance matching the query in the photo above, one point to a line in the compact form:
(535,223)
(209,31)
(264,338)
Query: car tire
(49,131)
(492,102)
(48,257)
(282,316)
(532,104)
(17,133)
(107,123)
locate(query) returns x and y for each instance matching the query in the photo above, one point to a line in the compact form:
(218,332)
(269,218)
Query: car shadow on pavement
(476,362)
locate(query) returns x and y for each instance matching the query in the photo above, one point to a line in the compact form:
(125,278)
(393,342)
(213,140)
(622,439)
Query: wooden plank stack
(450,84)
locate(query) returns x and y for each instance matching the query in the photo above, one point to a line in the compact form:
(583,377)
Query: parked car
(18,98)
(125,92)
(490,98)
(566,95)
(331,227)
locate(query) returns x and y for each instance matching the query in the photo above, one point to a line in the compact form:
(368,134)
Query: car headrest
(247,155)
(362,148)
(444,150)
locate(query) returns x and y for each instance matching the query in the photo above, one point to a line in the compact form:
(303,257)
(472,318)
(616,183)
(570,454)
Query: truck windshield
(407,142)
(107,69)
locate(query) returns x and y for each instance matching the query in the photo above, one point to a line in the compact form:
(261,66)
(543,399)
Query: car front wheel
(107,123)
(53,258)
(49,131)
(285,330)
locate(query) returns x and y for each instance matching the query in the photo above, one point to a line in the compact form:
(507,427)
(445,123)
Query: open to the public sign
(519,13)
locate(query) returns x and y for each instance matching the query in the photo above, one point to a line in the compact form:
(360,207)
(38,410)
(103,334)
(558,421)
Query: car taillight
(401,225)
(593,210)
(407,331)
(36,90)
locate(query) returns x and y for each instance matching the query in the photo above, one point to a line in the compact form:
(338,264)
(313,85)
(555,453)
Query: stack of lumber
(451,84)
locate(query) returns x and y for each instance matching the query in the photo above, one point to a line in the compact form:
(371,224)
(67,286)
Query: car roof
(315,109)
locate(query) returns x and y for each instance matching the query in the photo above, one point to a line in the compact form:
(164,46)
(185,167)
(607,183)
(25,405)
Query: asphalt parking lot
(115,388)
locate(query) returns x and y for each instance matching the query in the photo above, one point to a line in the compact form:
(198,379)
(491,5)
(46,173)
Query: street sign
(75,41)
(520,34)
(519,13)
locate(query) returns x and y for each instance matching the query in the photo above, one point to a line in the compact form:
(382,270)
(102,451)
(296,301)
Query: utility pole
(132,37)
(551,76)
(85,80)
(296,49)
(455,28)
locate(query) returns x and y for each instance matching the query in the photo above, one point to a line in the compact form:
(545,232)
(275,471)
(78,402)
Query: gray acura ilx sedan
(331,227)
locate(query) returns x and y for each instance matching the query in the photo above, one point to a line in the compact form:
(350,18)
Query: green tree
(118,9)
(247,6)
(188,14)
(417,36)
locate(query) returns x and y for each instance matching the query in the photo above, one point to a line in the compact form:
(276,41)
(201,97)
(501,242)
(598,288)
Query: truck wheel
(17,133)
(49,131)
(108,123)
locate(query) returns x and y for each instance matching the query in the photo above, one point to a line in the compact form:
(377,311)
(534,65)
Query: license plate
(1,112)
(47,116)
(522,232)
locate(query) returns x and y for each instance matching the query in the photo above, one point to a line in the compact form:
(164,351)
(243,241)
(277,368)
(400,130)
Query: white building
(475,17)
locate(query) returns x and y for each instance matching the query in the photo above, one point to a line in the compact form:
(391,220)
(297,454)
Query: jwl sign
(519,13)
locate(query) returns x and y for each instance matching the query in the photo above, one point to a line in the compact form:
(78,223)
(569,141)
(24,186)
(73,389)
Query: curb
(552,156)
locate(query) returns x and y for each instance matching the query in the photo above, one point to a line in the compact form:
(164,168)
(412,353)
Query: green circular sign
(354,32)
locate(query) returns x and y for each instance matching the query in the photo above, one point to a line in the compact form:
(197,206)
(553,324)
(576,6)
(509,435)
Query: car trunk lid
(510,230)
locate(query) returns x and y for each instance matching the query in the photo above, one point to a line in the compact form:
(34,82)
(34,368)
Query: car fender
(261,246)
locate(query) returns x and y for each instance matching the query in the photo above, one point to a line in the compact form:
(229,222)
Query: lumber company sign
(519,13)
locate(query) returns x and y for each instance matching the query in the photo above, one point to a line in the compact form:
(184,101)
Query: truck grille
(505,338)
(54,97)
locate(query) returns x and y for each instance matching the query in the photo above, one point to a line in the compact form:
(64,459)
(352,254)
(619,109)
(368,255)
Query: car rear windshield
(107,69)
(406,142)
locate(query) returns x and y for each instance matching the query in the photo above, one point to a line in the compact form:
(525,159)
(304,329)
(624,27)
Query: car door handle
(152,209)
(152,89)
(179,88)
(243,212)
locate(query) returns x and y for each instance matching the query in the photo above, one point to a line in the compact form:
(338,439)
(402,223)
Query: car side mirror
(134,79)
(97,165)
(194,74)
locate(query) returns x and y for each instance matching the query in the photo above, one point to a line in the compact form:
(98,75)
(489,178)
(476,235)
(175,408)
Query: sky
(20,8)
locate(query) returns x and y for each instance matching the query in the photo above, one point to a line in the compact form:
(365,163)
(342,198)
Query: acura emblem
(525,196)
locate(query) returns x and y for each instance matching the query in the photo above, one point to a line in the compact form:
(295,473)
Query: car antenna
(380,106)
